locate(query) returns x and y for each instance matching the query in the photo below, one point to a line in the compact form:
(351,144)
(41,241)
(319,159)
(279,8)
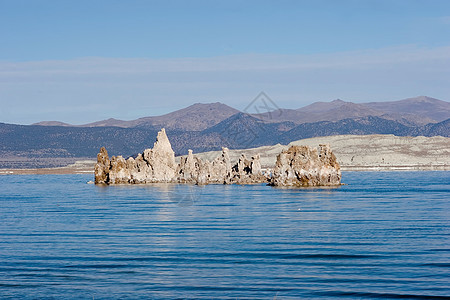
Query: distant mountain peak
(200,106)
(106,123)
(51,123)
(213,104)
(422,107)
(423,99)
(320,107)
(197,116)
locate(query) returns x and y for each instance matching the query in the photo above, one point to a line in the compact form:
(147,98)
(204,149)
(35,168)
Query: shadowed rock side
(102,167)
(298,166)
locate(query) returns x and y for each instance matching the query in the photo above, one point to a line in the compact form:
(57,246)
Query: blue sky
(81,61)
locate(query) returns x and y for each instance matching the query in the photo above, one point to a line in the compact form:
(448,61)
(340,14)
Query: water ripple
(380,236)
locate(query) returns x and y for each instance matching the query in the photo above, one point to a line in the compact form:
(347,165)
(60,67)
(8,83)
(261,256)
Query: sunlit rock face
(193,170)
(153,165)
(220,171)
(297,166)
(220,168)
(306,166)
(118,172)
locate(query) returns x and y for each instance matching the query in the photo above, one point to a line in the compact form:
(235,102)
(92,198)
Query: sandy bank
(79,167)
(367,152)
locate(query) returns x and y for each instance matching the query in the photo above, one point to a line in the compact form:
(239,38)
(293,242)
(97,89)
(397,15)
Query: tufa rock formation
(298,166)
(101,170)
(220,171)
(248,171)
(305,166)
(153,165)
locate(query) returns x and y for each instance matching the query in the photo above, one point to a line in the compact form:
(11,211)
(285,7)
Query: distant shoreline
(394,168)
(46,171)
(70,170)
(79,167)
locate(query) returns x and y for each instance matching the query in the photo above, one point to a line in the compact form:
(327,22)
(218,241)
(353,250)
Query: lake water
(384,235)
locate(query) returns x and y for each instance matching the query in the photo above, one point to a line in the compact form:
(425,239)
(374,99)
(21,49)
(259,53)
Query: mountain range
(412,111)
(196,117)
(205,127)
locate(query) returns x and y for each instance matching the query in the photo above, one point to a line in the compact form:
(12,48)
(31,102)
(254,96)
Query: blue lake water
(384,235)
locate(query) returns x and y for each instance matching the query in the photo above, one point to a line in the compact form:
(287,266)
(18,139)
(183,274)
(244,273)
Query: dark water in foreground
(384,235)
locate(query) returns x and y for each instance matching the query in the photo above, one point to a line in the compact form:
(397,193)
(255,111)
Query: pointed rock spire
(101,170)
(297,166)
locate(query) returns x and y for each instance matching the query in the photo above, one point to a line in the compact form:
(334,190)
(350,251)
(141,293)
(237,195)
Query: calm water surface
(384,235)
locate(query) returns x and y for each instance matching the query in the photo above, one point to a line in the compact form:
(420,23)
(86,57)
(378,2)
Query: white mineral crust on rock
(306,166)
(298,166)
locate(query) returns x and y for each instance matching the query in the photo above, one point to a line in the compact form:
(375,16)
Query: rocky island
(297,166)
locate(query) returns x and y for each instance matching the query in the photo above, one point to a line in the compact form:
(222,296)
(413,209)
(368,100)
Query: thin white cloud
(89,89)
(248,62)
